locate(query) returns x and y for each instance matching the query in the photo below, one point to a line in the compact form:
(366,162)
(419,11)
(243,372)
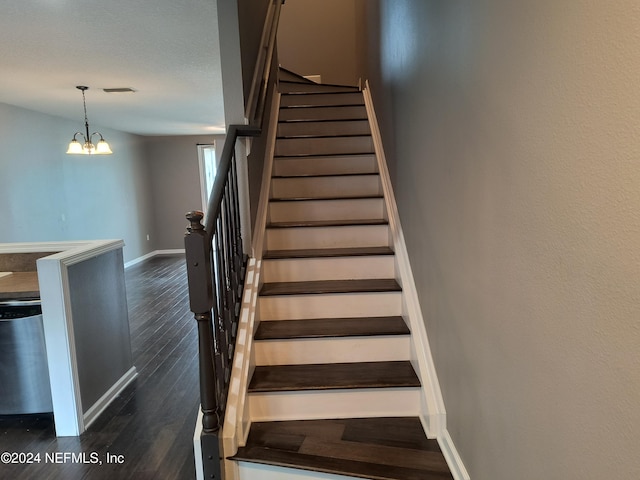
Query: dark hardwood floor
(150,425)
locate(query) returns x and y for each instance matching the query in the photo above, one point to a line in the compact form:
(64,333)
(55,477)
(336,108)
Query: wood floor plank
(151,422)
(331,327)
(330,286)
(278,378)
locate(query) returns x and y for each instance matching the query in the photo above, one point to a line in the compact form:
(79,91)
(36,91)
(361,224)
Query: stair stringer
(433,413)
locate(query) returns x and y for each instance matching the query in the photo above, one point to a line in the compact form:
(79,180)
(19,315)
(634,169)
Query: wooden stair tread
(329,175)
(328,223)
(308,136)
(339,154)
(327,252)
(327,120)
(358,103)
(387,448)
(326,155)
(330,376)
(295,94)
(330,286)
(286,75)
(331,327)
(335,197)
(312,175)
(348,88)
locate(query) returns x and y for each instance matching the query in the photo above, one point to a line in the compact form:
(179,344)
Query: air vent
(118,90)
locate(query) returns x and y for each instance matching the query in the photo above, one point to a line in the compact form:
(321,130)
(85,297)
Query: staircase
(334,389)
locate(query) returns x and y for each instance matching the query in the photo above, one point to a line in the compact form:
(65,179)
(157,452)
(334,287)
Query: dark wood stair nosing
(327,120)
(307,155)
(309,199)
(322,105)
(331,175)
(323,93)
(314,84)
(324,120)
(312,175)
(269,330)
(328,223)
(333,376)
(326,155)
(327,252)
(324,136)
(320,287)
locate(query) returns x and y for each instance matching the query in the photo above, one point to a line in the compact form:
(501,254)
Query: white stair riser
(332,350)
(324,145)
(315,404)
(322,113)
(349,98)
(339,305)
(326,187)
(351,209)
(352,127)
(325,165)
(327,237)
(328,268)
(259,471)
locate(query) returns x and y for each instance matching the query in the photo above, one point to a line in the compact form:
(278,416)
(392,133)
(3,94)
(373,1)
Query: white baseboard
(434,410)
(103,402)
(450,453)
(147,256)
(197,447)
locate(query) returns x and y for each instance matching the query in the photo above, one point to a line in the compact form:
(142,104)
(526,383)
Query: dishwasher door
(24,374)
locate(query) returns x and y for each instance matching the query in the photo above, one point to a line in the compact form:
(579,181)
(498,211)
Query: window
(208,167)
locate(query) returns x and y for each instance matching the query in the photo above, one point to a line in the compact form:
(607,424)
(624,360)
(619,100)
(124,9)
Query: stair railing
(216,264)
(260,82)
(215,273)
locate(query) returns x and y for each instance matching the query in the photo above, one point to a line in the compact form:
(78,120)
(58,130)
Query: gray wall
(251,17)
(322,37)
(516,130)
(144,188)
(98,304)
(175,184)
(47,195)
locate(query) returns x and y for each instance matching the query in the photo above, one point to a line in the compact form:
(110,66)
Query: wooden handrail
(259,83)
(228,150)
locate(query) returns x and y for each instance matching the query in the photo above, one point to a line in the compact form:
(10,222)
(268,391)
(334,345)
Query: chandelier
(87,147)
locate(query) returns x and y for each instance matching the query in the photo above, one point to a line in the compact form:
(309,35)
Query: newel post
(201,299)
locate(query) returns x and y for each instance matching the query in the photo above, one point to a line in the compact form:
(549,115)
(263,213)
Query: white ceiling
(166,50)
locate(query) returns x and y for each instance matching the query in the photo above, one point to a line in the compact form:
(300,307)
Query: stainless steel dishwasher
(24,374)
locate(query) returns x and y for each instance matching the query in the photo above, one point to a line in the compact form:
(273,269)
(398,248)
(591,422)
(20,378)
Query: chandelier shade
(87,147)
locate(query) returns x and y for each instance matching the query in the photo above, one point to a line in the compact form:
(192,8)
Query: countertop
(19,285)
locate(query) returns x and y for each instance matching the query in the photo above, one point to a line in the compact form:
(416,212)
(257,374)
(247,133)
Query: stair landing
(388,448)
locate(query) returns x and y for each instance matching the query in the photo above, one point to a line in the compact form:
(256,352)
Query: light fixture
(88,148)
